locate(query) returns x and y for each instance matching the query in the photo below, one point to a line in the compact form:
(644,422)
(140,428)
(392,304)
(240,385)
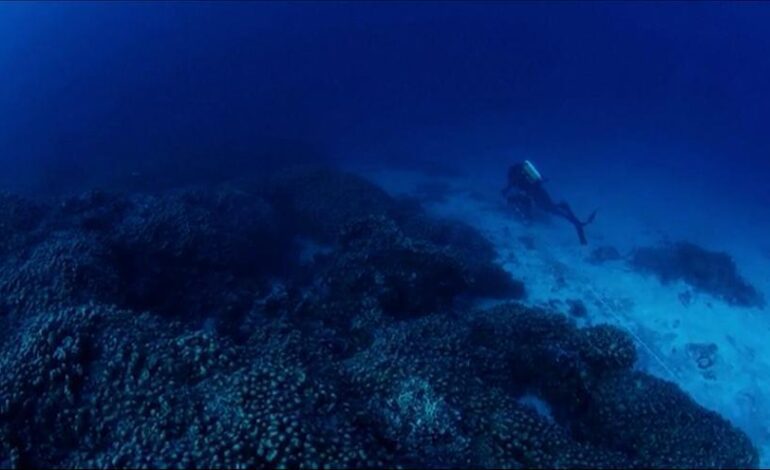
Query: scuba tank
(531,172)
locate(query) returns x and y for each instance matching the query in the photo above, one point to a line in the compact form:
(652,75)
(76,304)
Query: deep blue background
(91,92)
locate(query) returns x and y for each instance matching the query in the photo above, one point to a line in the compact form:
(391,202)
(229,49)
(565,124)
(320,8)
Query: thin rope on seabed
(636,337)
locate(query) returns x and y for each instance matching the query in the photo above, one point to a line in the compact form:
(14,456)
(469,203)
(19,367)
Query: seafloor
(310,318)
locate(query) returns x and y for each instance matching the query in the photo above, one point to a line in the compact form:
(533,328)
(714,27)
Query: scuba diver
(525,192)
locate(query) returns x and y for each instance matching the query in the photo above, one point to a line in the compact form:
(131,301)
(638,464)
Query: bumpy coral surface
(712,272)
(181,330)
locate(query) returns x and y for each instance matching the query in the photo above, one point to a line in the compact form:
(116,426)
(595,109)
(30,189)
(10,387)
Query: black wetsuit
(531,192)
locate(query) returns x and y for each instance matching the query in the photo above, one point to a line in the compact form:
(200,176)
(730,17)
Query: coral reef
(179,330)
(577,308)
(318,202)
(708,271)
(606,348)
(662,427)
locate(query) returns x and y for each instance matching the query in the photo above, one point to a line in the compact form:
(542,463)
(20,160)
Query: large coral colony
(307,320)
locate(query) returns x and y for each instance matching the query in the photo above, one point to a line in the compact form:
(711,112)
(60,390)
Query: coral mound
(708,271)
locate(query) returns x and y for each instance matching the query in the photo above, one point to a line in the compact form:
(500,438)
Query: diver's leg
(567,213)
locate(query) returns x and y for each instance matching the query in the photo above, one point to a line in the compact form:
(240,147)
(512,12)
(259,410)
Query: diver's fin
(580,227)
(590,218)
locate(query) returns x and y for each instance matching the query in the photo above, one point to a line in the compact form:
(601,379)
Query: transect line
(636,337)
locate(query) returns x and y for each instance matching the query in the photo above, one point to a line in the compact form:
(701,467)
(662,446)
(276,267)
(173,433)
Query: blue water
(164,209)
